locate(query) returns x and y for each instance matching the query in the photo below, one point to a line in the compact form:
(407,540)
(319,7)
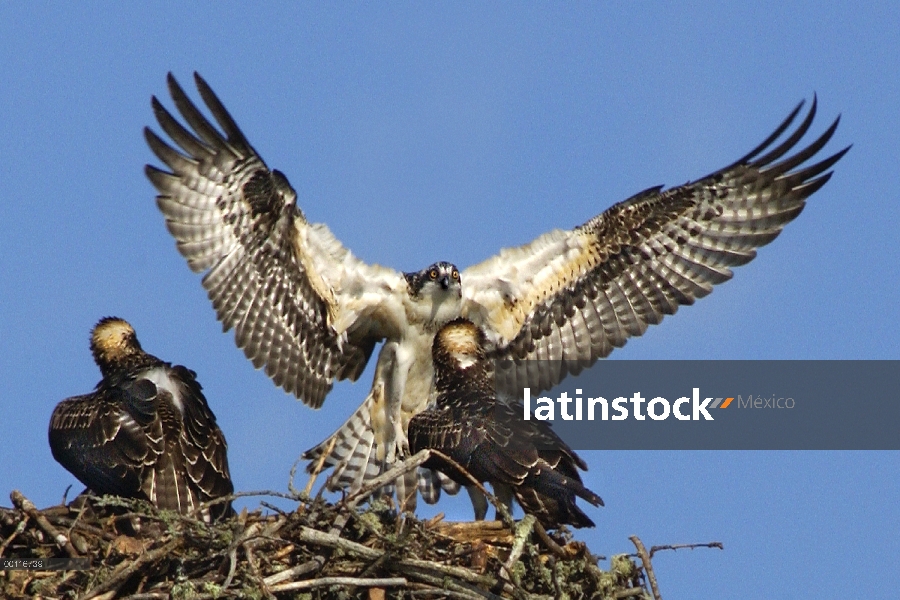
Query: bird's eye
(455,275)
(433,274)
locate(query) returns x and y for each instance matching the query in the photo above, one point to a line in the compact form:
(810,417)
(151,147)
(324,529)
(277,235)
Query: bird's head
(441,277)
(458,345)
(113,342)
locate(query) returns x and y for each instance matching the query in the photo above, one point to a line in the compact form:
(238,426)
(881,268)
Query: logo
(685,408)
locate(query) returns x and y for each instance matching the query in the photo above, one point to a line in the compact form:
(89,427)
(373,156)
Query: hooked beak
(445,282)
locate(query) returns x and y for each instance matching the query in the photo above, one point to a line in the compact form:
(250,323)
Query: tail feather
(550,511)
(352,453)
(339,448)
(550,496)
(432,483)
(168,487)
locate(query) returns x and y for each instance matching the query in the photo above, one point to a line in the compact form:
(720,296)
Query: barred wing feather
(571,297)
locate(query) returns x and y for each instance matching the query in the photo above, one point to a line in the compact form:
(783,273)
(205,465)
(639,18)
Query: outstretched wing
(301,304)
(572,296)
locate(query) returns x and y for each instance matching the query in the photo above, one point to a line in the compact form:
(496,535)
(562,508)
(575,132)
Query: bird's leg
(396,442)
(400,446)
(504,494)
(479,502)
(394,388)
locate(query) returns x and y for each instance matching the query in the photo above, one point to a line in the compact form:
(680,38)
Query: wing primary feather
(791,141)
(175,160)
(793,179)
(175,130)
(804,155)
(772,137)
(221,114)
(271,275)
(194,117)
(640,259)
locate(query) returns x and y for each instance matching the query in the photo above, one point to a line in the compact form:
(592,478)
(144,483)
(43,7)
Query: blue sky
(445,132)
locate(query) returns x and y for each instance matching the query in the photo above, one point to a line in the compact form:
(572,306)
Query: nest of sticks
(318,550)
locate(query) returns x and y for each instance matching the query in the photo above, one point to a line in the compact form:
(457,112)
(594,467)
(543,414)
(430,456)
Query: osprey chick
(145,431)
(489,438)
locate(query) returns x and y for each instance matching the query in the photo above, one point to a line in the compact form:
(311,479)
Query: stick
(31,510)
(501,508)
(123,572)
(19,529)
(523,532)
(347,581)
(350,502)
(718,545)
(301,569)
(461,590)
(635,591)
(312,536)
(254,569)
(648,568)
(548,541)
(388,476)
(232,559)
(314,474)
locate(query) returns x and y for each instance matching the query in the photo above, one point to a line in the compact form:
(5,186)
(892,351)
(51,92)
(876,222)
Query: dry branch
(322,549)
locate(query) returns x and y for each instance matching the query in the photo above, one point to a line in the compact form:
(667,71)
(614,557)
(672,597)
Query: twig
(31,510)
(231,497)
(718,545)
(123,572)
(635,591)
(312,536)
(232,559)
(493,532)
(548,541)
(523,532)
(314,474)
(461,589)
(254,569)
(236,495)
(460,572)
(373,566)
(83,528)
(77,517)
(500,507)
(329,540)
(344,581)
(430,591)
(302,569)
(66,494)
(19,529)
(272,507)
(388,476)
(648,568)
(272,493)
(259,529)
(253,530)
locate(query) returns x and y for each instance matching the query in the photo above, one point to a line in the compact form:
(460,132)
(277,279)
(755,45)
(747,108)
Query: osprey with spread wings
(305,308)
